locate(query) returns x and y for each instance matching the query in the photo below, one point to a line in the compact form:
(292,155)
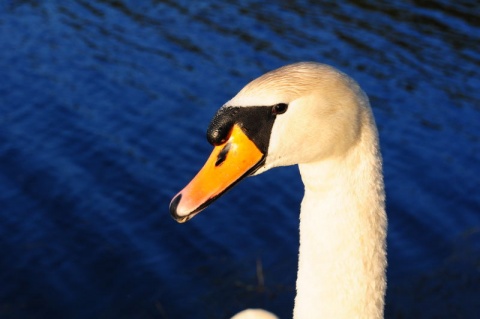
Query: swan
(315,116)
(254,314)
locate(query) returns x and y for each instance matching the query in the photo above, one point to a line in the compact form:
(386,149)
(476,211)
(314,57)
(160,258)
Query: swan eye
(279,108)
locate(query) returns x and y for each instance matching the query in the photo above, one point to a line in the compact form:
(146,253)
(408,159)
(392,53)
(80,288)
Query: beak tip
(173,208)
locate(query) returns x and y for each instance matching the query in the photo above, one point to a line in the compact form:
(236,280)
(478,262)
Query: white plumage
(329,131)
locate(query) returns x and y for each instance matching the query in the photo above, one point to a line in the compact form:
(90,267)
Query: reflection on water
(103,111)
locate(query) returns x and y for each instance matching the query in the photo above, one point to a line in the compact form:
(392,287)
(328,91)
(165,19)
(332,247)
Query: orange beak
(229,162)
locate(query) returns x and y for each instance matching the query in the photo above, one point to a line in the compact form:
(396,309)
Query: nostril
(222,156)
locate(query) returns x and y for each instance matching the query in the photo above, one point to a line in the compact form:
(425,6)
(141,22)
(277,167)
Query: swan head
(300,113)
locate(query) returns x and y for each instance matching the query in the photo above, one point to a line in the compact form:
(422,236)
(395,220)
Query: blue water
(103,111)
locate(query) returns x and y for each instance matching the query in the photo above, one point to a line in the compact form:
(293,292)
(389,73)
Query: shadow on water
(103,112)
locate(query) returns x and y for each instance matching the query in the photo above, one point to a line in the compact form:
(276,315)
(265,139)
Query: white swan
(315,116)
(254,314)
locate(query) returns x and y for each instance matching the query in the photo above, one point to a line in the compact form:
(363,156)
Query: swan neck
(342,257)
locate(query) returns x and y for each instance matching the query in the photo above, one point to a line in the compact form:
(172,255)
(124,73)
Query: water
(103,112)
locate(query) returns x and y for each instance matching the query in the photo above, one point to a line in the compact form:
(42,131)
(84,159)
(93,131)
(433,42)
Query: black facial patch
(255,121)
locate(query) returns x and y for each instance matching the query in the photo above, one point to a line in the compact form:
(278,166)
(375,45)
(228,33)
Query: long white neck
(342,258)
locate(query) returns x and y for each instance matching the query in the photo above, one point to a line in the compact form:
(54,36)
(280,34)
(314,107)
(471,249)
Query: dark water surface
(103,112)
